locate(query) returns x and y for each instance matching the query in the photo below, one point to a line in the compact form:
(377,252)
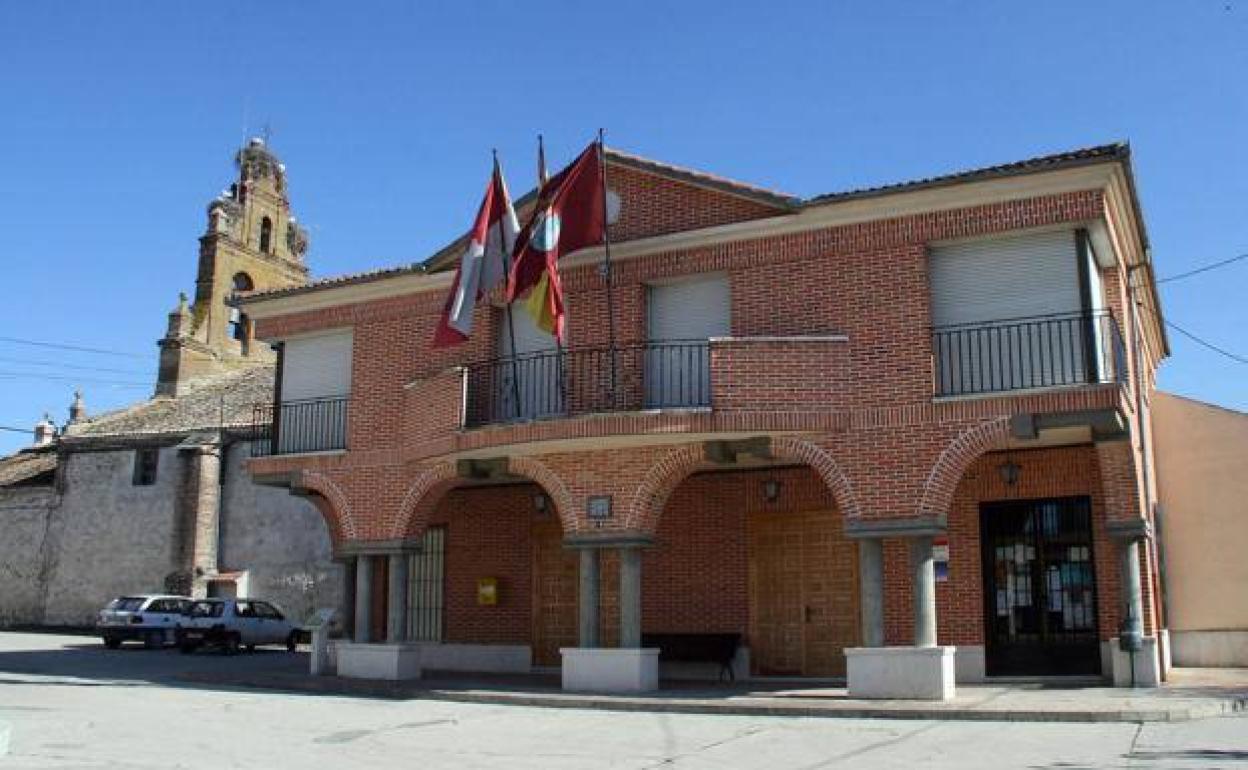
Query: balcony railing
(575,381)
(309,425)
(1022,353)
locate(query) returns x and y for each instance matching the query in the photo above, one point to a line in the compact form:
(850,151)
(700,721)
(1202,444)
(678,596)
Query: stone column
(1132,592)
(587,606)
(363,598)
(923,574)
(346,599)
(396,609)
(630,597)
(871,587)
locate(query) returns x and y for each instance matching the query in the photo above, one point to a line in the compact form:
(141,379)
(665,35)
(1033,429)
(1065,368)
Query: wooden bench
(697,648)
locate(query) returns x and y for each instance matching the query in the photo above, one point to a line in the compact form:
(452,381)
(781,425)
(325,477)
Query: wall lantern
(1009,471)
(771,490)
(540,502)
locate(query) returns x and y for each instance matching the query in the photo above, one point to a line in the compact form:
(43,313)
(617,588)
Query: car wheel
(154,640)
(292,641)
(231,644)
(112,642)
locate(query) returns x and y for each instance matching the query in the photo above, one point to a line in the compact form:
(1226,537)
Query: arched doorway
(760,552)
(492,576)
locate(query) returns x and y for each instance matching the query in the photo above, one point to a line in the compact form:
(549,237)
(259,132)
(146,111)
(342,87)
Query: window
(206,609)
(238,320)
(266,234)
(145,461)
(267,611)
(425,592)
(681,318)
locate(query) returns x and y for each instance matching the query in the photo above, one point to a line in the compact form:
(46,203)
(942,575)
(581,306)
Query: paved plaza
(69,703)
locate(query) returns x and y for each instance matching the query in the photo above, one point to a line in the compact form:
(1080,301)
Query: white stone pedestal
(378,661)
(1147,664)
(909,673)
(610,670)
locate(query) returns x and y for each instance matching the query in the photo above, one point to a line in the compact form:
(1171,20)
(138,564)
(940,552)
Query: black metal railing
(308,425)
(573,381)
(1020,353)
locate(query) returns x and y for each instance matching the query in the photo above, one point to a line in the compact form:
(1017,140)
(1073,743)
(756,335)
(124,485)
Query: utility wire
(68,378)
(82,367)
(1204,269)
(75,348)
(1222,351)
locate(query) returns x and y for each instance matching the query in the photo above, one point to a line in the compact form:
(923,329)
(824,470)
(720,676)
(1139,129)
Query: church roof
(225,400)
(28,468)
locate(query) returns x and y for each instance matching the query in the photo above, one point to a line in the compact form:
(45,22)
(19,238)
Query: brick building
(884,434)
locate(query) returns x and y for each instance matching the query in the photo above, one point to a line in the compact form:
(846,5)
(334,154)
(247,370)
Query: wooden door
(555,574)
(803,594)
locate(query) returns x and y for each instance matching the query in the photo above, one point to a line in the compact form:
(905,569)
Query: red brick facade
(850,408)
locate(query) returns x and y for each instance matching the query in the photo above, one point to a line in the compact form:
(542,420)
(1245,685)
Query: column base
(904,673)
(610,669)
(1147,664)
(378,661)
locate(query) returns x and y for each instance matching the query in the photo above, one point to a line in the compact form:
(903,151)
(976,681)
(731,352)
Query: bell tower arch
(252,243)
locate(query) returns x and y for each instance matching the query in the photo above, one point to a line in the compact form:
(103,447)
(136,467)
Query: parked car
(152,618)
(233,623)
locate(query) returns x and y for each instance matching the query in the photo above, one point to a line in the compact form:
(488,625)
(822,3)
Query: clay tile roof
(225,400)
(1082,156)
(28,468)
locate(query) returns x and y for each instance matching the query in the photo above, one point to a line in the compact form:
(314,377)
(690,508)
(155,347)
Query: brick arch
(429,487)
(675,466)
(331,501)
(954,461)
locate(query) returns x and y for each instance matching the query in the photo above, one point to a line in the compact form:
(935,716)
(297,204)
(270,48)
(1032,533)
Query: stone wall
(24,518)
(63,557)
(281,541)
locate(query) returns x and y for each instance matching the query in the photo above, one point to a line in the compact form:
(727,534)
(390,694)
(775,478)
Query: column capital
(597,540)
(914,526)
(1130,530)
(378,547)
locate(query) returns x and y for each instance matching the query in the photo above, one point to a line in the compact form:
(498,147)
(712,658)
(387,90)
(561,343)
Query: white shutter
(680,319)
(1007,314)
(1016,277)
(528,383)
(316,367)
(694,309)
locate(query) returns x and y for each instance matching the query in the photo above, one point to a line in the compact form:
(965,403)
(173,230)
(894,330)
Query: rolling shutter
(993,280)
(696,309)
(680,319)
(316,367)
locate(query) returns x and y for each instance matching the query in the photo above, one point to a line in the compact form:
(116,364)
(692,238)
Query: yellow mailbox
(487,591)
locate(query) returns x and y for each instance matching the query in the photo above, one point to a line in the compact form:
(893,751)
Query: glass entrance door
(1039,588)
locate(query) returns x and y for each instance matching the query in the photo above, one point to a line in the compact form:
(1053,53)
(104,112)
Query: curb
(1213,707)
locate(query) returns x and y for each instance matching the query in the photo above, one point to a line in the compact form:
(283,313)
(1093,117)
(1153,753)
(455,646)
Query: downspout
(1159,599)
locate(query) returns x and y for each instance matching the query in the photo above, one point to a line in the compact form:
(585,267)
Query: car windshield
(126,604)
(206,609)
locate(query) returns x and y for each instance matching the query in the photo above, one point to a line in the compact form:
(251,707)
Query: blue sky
(118,121)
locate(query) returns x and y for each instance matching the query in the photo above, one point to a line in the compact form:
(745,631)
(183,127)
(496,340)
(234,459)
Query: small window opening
(266,234)
(145,461)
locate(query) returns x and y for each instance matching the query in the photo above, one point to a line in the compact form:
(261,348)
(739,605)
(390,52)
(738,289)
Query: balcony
(577,381)
(310,425)
(1028,353)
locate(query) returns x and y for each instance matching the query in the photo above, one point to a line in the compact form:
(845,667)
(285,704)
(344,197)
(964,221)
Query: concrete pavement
(73,704)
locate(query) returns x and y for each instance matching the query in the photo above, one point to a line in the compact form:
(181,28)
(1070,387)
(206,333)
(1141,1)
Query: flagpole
(606,266)
(542,178)
(511,322)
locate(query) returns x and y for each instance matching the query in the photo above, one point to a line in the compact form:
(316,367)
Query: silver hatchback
(153,619)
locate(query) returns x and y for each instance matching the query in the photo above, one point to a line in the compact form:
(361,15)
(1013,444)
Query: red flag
(483,265)
(569,216)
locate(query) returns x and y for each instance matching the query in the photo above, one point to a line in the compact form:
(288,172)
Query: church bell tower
(252,244)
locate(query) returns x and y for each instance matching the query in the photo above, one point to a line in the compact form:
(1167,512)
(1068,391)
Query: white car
(233,623)
(152,618)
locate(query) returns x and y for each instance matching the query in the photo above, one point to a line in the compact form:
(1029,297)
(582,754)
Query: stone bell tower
(252,244)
